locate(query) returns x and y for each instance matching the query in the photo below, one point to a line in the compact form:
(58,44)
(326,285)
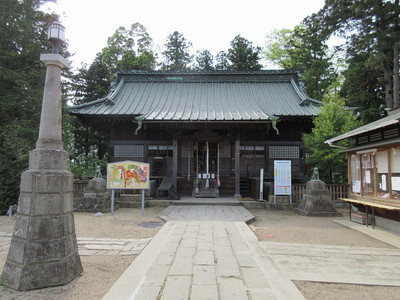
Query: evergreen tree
(23,37)
(90,82)
(243,56)
(222,61)
(176,54)
(362,88)
(371,29)
(204,61)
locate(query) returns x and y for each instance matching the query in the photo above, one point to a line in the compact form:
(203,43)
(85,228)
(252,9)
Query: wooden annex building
(209,132)
(374,170)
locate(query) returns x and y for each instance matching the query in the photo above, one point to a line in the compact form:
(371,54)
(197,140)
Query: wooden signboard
(128,175)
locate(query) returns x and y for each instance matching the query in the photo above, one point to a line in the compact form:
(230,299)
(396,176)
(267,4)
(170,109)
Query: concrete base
(281,206)
(316,201)
(279,199)
(96,197)
(388,224)
(43,250)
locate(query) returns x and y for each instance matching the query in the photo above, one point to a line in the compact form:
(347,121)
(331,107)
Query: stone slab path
(208,252)
(339,264)
(206,213)
(204,260)
(94,246)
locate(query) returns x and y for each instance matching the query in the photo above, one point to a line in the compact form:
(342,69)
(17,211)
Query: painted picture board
(128,175)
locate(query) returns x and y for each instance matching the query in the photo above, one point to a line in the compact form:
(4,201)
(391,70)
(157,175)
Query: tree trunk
(388,88)
(396,84)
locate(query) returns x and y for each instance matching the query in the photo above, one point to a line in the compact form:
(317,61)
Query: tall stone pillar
(43,250)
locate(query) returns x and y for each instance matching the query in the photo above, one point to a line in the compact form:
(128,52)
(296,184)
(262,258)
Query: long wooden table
(373,204)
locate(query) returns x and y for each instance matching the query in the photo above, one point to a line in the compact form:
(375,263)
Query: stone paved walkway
(94,246)
(212,257)
(339,264)
(204,260)
(206,213)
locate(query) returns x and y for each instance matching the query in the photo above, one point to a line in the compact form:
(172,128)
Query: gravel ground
(100,272)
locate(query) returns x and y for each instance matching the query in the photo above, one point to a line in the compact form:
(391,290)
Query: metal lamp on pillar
(43,250)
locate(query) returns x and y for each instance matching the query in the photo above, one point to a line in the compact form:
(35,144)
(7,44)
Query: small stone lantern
(56,36)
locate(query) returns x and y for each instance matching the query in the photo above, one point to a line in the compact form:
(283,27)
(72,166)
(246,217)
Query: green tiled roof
(200,96)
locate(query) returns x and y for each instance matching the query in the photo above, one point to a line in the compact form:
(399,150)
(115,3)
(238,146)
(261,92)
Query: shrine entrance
(203,164)
(207,170)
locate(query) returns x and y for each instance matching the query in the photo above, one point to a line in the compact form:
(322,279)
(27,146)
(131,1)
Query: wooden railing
(337,191)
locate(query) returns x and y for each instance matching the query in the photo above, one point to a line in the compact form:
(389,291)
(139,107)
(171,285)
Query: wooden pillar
(237,167)
(175,163)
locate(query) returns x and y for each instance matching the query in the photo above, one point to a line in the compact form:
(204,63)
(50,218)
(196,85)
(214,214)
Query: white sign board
(283,177)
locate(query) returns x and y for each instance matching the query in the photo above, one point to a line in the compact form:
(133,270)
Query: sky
(207,24)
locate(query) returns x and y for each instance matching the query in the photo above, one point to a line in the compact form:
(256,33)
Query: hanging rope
(207,166)
(218,183)
(197,169)
(189,154)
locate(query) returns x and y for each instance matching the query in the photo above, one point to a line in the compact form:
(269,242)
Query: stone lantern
(43,250)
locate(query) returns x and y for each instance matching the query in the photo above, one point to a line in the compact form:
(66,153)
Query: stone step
(207,193)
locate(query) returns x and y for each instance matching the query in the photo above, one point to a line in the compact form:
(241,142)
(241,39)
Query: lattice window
(129,151)
(287,152)
(187,149)
(225,149)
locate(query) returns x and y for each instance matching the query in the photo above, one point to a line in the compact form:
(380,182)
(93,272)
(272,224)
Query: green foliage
(371,30)
(86,146)
(89,83)
(129,49)
(243,56)
(275,49)
(222,61)
(333,120)
(204,60)
(360,88)
(23,37)
(176,54)
(84,165)
(303,48)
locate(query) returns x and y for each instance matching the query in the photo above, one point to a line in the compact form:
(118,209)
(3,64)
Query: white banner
(283,177)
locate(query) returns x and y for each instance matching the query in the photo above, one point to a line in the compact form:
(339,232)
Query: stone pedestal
(43,250)
(316,201)
(96,197)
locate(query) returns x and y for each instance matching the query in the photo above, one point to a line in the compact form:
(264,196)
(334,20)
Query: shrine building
(373,163)
(210,133)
